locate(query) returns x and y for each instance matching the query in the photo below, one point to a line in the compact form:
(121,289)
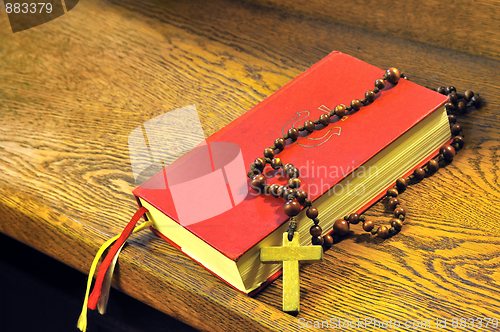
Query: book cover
(324,157)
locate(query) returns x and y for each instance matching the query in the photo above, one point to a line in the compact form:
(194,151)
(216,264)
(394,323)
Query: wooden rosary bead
(312,212)
(453,98)
(459,140)
(296,172)
(324,119)
(449,107)
(293,133)
(477,101)
(315,230)
(391,192)
(356,104)
(288,192)
(456,129)
(309,125)
(287,167)
(274,190)
(327,241)
(293,172)
(380,83)
(449,89)
(433,165)
(368,225)
(448,152)
(452,118)
(399,211)
(281,191)
(468,95)
(280,143)
(397,224)
(260,163)
(354,218)
(317,241)
(292,208)
(462,107)
(269,153)
(383,232)
(393,75)
(440,90)
(401,184)
(393,202)
(370,95)
(340,110)
(341,227)
(276,163)
(419,173)
(301,196)
(294,183)
(258,182)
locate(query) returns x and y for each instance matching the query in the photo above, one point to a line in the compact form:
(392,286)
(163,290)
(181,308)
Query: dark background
(38,293)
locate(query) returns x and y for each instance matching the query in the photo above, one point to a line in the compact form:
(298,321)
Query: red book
(203,205)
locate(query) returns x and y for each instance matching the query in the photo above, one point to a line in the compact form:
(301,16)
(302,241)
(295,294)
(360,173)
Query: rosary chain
(297,198)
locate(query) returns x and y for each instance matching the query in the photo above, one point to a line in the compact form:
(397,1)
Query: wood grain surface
(462,25)
(73,89)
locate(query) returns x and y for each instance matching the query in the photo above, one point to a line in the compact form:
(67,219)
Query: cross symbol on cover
(290,254)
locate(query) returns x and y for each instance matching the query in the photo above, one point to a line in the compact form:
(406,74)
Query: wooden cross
(290,254)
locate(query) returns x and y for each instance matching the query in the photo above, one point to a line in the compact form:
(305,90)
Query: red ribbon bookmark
(96,292)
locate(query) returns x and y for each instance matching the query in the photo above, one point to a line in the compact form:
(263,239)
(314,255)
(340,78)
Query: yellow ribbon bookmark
(82,321)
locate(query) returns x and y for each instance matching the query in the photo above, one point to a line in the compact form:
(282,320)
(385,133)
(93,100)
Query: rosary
(291,252)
